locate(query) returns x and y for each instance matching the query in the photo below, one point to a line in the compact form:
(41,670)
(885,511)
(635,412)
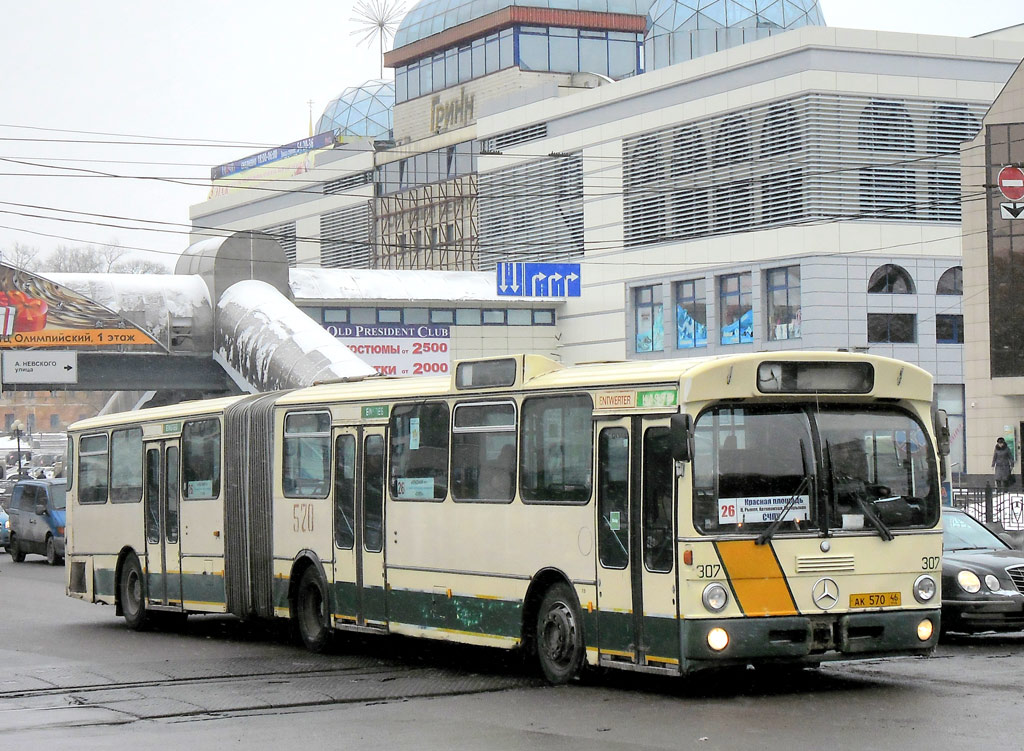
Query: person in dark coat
(1002,463)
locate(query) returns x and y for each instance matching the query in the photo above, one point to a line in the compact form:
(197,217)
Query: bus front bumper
(807,639)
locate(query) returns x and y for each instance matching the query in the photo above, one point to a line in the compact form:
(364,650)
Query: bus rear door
(637,603)
(163,548)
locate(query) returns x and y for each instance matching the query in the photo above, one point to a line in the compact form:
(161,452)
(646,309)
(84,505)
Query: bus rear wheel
(132,591)
(560,647)
(311,612)
(17,554)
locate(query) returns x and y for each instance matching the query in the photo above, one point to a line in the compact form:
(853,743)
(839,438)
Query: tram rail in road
(111,694)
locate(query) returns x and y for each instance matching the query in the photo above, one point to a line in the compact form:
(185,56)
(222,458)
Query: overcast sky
(186,73)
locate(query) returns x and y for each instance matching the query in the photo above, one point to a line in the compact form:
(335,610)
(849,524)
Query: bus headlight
(968,581)
(925,630)
(718,638)
(715,597)
(924,588)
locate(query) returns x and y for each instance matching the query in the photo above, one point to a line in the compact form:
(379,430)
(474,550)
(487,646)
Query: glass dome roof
(432,16)
(679,30)
(360,111)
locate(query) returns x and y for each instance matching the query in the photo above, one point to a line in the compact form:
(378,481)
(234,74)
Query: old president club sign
(397,349)
(35,312)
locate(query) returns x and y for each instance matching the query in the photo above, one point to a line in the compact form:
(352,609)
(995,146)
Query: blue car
(5,529)
(37,514)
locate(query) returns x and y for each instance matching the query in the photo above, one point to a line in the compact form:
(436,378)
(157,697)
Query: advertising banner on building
(35,312)
(273,164)
(397,349)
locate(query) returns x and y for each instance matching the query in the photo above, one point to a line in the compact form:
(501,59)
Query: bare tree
(22,256)
(73,260)
(111,255)
(140,266)
(88,259)
(85,260)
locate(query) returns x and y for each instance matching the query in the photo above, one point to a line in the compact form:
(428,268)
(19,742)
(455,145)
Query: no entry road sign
(1011,182)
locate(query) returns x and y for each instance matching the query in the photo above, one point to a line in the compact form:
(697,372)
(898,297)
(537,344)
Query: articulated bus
(661,516)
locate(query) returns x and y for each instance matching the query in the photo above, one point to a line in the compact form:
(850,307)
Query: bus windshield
(818,468)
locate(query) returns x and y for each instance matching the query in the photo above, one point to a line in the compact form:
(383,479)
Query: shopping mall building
(730,176)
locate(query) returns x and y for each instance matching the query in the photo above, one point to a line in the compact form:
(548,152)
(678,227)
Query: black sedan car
(982,578)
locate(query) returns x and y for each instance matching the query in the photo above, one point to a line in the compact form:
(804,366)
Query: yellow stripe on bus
(662,660)
(756,578)
(617,653)
(476,635)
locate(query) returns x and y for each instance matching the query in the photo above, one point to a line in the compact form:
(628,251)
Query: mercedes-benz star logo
(825,593)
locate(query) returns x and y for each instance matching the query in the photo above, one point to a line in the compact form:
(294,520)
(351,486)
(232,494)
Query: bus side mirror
(942,431)
(681,435)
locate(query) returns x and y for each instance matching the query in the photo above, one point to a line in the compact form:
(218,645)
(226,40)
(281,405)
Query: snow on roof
(179,295)
(319,285)
(270,344)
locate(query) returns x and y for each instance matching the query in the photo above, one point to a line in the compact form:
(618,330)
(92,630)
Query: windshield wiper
(866,508)
(876,521)
(805,484)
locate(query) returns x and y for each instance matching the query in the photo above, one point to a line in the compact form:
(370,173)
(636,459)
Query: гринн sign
(447,115)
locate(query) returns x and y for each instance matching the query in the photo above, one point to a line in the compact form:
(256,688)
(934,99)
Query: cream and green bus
(661,516)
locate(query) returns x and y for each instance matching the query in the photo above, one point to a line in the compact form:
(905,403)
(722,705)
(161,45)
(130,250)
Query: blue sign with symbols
(538,279)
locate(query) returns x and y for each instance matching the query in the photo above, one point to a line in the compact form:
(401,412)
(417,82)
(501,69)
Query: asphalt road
(70,672)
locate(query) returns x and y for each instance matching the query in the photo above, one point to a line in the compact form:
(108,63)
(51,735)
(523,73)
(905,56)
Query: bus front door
(359,593)
(637,603)
(163,548)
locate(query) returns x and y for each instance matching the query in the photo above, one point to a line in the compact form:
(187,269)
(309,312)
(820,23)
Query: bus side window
(373,493)
(126,466)
(307,454)
(69,466)
(419,452)
(344,491)
(200,459)
(92,469)
(557,451)
(484,452)
(658,479)
(613,497)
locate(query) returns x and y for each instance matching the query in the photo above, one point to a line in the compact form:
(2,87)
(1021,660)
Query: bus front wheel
(311,612)
(133,595)
(560,647)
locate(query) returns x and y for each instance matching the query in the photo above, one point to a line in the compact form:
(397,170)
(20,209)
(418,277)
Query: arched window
(732,143)
(891,279)
(731,154)
(782,195)
(886,126)
(781,132)
(645,174)
(951,282)
(688,205)
(689,153)
(951,125)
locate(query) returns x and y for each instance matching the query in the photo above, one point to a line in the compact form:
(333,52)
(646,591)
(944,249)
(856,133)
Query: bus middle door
(359,527)
(370,569)
(163,547)
(637,607)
